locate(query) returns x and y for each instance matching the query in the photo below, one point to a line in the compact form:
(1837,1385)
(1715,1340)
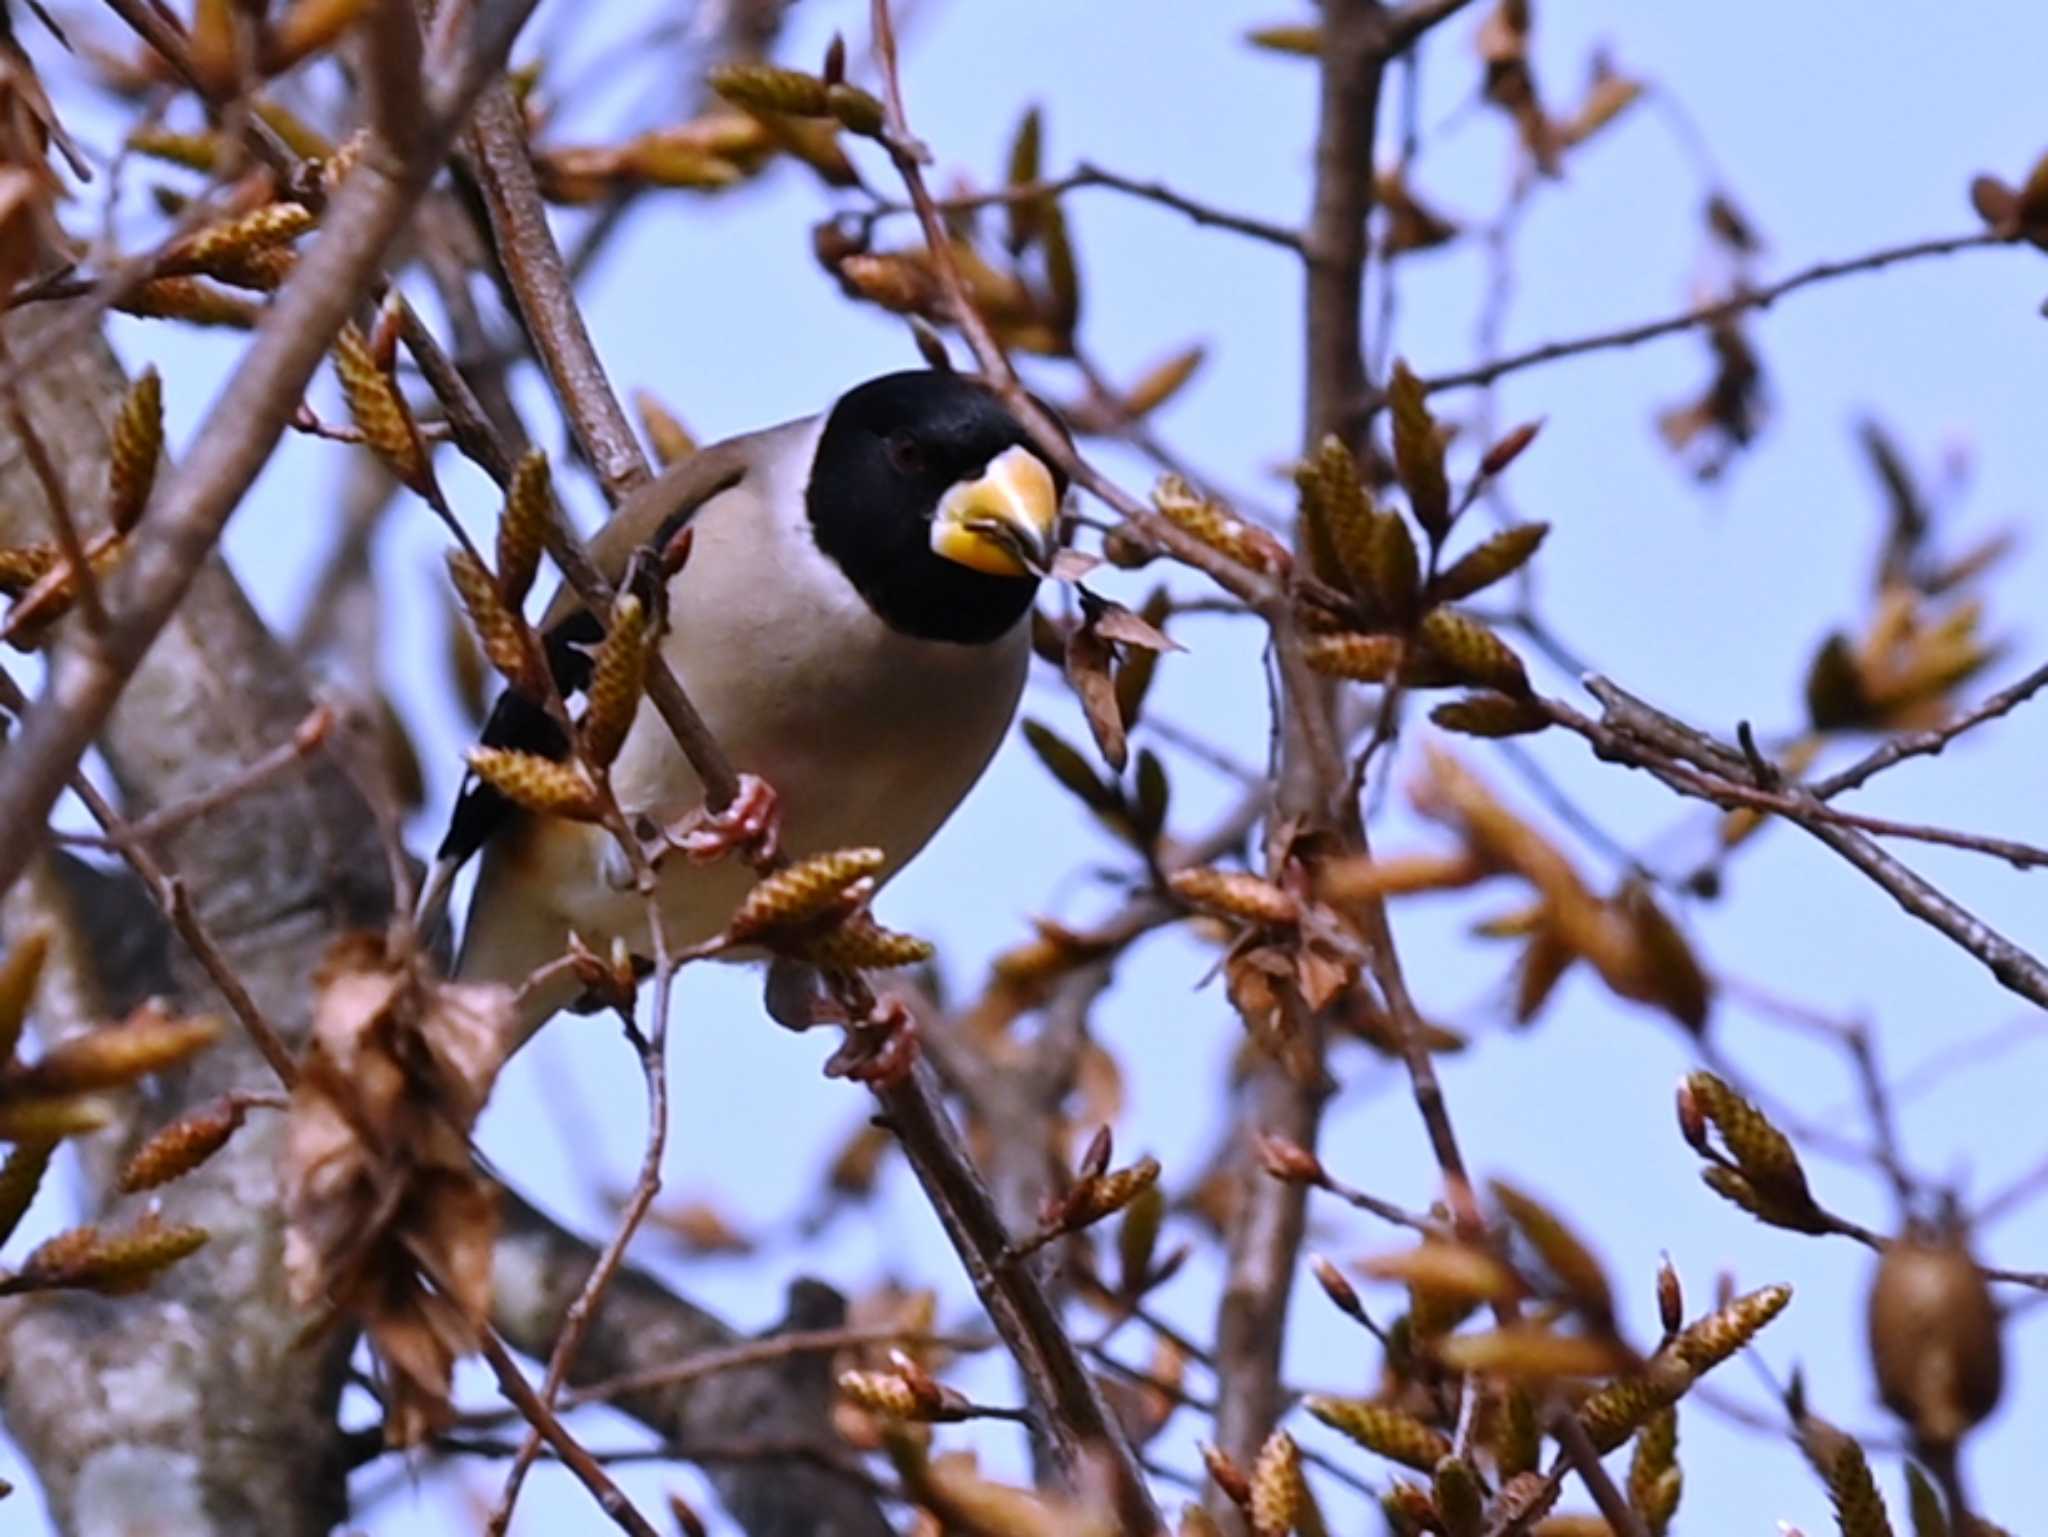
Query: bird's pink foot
(879,1050)
(751,825)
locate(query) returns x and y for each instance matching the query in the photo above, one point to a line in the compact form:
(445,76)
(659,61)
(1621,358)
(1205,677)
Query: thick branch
(643,1327)
(230,448)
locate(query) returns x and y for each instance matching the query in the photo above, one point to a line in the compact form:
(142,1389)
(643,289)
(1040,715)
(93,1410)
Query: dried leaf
(379,1179)
(1563,1253)
(113,1056)
(1530,1351)
(1160,383)
(1066,764)
(1087,664)
(666,435)
(307,27)
(1026,153)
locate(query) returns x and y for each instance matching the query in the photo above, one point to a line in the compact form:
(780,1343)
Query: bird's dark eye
(906,454)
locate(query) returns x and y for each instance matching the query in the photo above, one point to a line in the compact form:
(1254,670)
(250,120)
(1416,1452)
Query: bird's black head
(928,494)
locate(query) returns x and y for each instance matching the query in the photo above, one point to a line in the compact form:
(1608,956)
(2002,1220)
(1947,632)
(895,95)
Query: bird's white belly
(869,738)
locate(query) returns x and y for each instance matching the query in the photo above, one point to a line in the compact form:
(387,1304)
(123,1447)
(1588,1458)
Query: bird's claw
(880,1050)
(751,824)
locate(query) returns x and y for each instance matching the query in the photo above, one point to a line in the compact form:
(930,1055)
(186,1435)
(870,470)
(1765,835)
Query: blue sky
(1834,137)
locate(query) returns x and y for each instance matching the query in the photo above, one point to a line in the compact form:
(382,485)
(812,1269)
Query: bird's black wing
(648,520)
(520,724)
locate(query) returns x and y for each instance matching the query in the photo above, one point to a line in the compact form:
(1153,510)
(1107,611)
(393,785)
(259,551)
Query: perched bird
(851,620)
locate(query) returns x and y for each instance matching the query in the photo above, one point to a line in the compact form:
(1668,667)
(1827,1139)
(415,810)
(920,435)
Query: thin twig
(1707,314)
(1641,736)
(231,446)
(1916,744)
(1087,174)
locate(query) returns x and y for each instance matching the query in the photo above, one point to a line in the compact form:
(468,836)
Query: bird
(852,621)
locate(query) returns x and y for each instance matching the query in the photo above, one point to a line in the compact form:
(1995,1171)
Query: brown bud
(895,280)
(883,1393)
(1763,1153)
(24,565)
(1490,715)
(1713,1339)
(1337,1288)
(1285,1159)
(1508,448)
(1480,567)
(768,88)
(1093,1199)
(183,1145)
(1670,1296)
(48,1118)
(1419,452)
(861,944)
(1380,1428)
(215,47)
(1227,1476)
(1460,1498)
(858,111)
(616,681)
(380,413)
(1935,1338)
(148,1041)
(1280,1492)
(87,1259)
(524,525)
(1563,1253)
(1361,658)
(207,250)
(1247,544)
(189,299)
(806,890)
(1409,1508)
(1473,652)
(1618,1410)
(538,784)
(194,151)
(135,444)
(1235,894)
(1859,1508)
(499,628)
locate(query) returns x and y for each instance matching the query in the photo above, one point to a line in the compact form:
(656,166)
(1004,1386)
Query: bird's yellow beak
(1006,522)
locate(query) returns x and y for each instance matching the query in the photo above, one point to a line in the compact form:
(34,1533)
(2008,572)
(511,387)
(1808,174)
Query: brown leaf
(1530,1351)
(1087,664)
(1067,765)
(379,1180)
